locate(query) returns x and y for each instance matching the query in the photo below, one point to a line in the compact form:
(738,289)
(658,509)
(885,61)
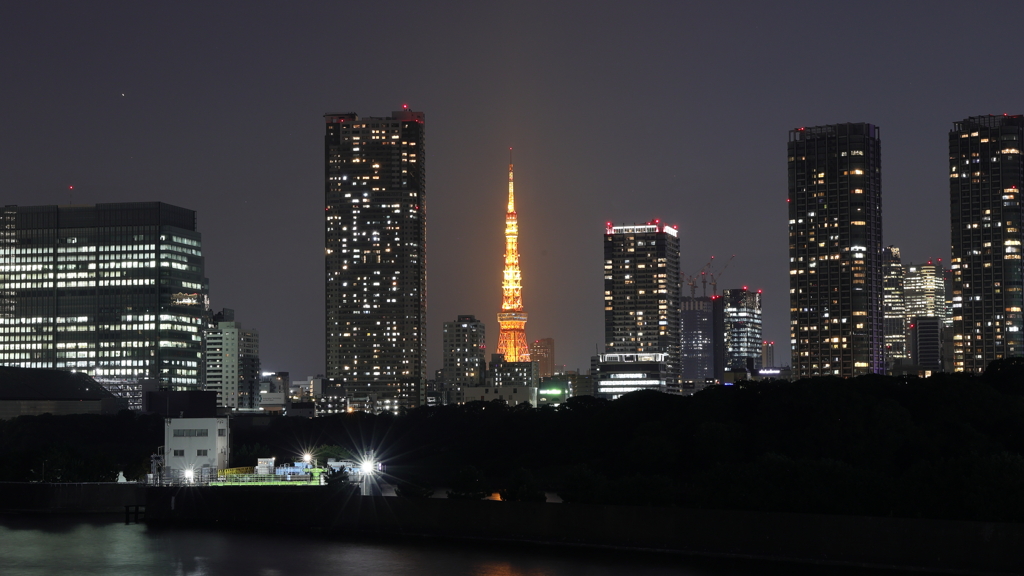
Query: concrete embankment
(964,547)
(70,498)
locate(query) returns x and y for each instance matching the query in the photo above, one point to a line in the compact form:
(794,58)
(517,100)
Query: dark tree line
(949,446)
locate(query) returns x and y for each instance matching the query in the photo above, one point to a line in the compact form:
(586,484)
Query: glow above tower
(512,319)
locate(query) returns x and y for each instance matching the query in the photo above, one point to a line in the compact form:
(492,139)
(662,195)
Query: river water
(37,545)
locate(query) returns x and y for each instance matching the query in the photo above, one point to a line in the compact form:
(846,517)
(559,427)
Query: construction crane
(691,281)
(716,275)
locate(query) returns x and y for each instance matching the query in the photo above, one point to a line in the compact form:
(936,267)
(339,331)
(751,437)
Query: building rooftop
(42,384)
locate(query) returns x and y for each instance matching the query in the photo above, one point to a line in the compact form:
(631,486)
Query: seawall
(936,545)
(70,498)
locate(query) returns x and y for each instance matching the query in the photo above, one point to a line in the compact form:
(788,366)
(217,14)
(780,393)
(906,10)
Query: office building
(624,373)
(642,294)
(925,290)
(925,336)
(512,343)
(117,291)
(375,257)
(742,329)
(835,250)
(543,353)
(894,309)
(465,343)
(702,339)
(504,373)
(233,365)
(985,181)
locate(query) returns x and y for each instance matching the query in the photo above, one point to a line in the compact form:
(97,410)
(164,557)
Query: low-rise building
(195,448)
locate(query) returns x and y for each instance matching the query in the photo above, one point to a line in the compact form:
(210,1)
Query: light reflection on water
(36,545)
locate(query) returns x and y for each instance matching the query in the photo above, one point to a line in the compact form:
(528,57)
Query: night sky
(617,111)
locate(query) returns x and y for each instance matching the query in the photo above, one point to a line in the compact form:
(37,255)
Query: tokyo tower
(512,319)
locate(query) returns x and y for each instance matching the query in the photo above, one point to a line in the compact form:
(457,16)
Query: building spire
(511,189)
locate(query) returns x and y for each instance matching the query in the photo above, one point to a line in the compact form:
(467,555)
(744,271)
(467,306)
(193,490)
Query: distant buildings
(835,250)
(702,339)
(375,192)
(504,373)
(642,296)
(894,307)
(768,354)
(465,343)
(543,353)
(117,291)
(624,373)
(986,175)
(233,364)
(925,290)
(742,329)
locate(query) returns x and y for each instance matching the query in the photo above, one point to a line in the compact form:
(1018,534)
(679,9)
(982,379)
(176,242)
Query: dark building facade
(117,291)
(698,335)
(465,344)
(835,250)
(985,181)
(375,194)
(641,293)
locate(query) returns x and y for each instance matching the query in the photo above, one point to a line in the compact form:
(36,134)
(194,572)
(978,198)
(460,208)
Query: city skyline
(567,101)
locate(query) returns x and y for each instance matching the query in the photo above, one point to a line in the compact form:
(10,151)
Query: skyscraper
(697,337)
(464,343)
(375,258)
(512,343)
(233,365)
(641,293)
(835,250)
(742,328)
(985,181)
(893,306)
(114,290)
(925,290)
(543,353)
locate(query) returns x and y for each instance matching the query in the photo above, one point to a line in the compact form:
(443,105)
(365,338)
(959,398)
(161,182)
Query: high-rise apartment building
(543,353)
(641,293)
(233,365)
(465,343)
(117,291)
(375,257)
(894,307)
(742,328)
(835,250)
(986,174)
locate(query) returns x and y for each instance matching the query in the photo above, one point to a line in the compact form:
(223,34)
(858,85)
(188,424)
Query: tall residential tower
(641,294)
(835,250)
(986,174)
(375,260)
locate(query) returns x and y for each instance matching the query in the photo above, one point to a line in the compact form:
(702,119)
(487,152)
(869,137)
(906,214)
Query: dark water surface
(37,545)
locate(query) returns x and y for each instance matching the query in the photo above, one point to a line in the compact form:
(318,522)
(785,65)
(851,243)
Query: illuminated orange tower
(512,319)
